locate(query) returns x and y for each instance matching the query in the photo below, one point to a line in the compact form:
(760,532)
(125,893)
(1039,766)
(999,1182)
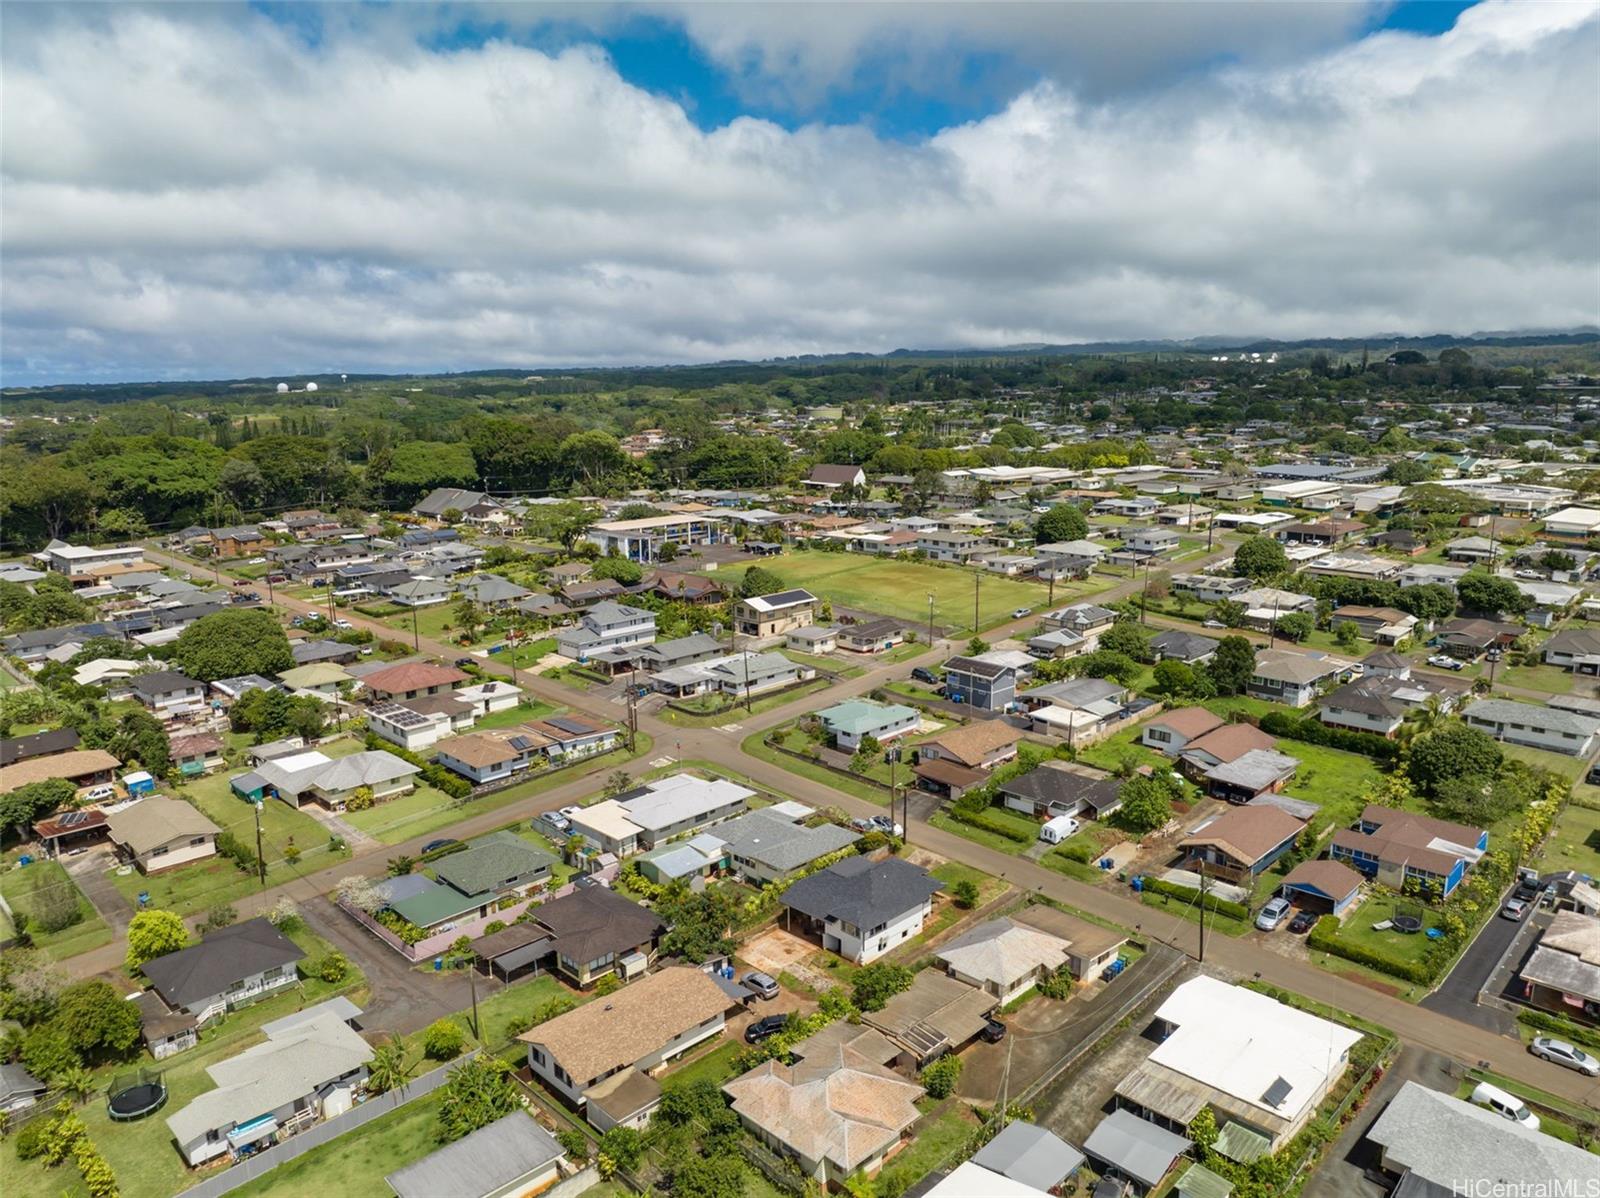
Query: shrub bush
(1564,1029)
(982,819)
(1218,906)
(1314,732)
(444,1040)
(940,1076)
(31,1140)
(1082,852)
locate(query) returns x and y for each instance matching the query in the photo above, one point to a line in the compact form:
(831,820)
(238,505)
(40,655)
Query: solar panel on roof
(568,725)
(73,818)
(1277,1092)
(519,743)
(783,597)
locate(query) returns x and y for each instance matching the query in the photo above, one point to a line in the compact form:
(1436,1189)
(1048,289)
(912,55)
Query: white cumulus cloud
(200,192)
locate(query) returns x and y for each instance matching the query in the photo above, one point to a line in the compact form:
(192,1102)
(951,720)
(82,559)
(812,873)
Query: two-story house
(167,694)
(861,908)
(1282,676)
(986,685)
(1398,846)
(604,628)
(776,614)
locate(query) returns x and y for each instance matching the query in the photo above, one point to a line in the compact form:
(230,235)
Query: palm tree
(75,1082)
(1420,721)
(388,1069)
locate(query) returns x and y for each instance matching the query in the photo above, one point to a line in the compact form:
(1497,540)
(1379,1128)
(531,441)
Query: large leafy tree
(563,523)
(20,807)
(1146,804)
(759,581)
(1063,522)
(1481,591)
(1453,750)
(154,933)
(417,467)
(229,643)
(96,1021)
(1261,558)
(1232,666)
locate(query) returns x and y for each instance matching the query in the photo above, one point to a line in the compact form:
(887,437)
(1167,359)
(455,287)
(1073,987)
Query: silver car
(1559,1052)
(761,983)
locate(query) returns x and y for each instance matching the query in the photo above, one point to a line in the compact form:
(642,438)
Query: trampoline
(135,1095)
(1407,920)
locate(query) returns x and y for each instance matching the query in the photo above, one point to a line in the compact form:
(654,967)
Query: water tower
(282,387)
(311,386)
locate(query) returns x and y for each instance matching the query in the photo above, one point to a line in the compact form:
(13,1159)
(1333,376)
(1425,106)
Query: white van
(1507,1106)
(1062,827)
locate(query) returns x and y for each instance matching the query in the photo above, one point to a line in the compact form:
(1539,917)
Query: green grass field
(901,589)
(1574,843)
(90,931)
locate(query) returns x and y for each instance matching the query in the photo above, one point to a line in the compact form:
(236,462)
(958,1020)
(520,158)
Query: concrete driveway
(1457,995)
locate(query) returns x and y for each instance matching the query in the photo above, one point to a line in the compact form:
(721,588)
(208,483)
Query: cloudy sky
(209,191)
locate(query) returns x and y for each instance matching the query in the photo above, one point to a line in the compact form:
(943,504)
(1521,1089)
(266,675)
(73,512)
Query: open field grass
(1574,843)
(715,1066)
(715,713)
(753,745)
(936,1141)
(90,931)
(530,709)
(901,589)
(839,665)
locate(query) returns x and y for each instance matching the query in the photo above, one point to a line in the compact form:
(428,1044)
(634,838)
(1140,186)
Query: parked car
(862,825)
(569,812)
(1514,909)
(442,843)
(1527,887)
(1303,922)
(241,582)
(319,582)
(1507,1106)
(767,1025)
(1559,1052)
(257,561)
(343,623)
(555,821)
(884,824)
(1212,624)
(1275,912)
(465,663)
(1444,661)
(1022,613)
(993,1031)
(923,674)
(763,984)
(100,794)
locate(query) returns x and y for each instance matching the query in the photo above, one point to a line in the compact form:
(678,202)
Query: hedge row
(1315,732)
(434,774)
(982,819)
(1217,906)
(1325,936)
(1565,1029)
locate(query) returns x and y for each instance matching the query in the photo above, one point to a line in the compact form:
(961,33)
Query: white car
(345,624)
(1022,613)
(257,561)
(100,794)
(1275,912)
(1444,661)
(569,812)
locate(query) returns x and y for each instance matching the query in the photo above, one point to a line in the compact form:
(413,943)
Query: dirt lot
(777,951)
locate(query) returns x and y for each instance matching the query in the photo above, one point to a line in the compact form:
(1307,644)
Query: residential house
(1381,625)
(1003,957)
(1322,885)
(861,908)
(82,767)
(470,884)
(937,1014)
(1087,620)
(1241,842)
(169,695)
(1562,974)
(483,757)
(690,861)
(1326,533)
(850,722)
(440,500)
(411,680)
(85,566)
(1424,575)
(980,745)
(1265,606)
(641,540)
(1397,847)
(239,541)
(692,589)
(594,932)
(1171,731)
(818,639)
(776,614)
(606,627)
(1432,1142)
(1294,679)
(951,545)
(16,749)
(1402,541)
(765,847)
(157,834)
(640,1027)
(310,652)
(1184,515)
(1208,588)
(310,1071)
(19,1089)
(1187,647)
(312,776)
(1023,1154)
(1250,775)
(1091,948)
(1058,788)
(680,651)
(1575,649)
(573,737)
(230,967)
(838,1112)
(832,477)
(492,591)
(1068,559)
(583,594)
(1470,639)
(1058,645)
(986,685)
(657,811)
(1249,1058)
(413,729)
(419,592)
(1149,541)
(1568,732)
(323,679)
(1220,746)
(513,1157)
(871,636)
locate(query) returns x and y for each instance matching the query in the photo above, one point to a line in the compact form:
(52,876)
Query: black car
(435,845)
(1303,922)
(923,674)
(767,1025)
(465,663)
(1527,889)
(993,1032)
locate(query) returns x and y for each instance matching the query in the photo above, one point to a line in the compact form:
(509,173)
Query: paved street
(1438,1031)
(1457,995)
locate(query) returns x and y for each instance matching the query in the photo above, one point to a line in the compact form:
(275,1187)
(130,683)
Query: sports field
(901,589)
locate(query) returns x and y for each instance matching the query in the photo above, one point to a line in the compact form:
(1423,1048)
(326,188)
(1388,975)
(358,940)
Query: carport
(1323,886)
(1134,1148)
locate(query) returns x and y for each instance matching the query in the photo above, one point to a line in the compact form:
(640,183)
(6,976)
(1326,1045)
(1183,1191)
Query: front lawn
(755,745)
(935,1140)
(1552,680)
(715,1066)
(838,666)
(714,710)
(1574,842)
(90,931)
(529,709)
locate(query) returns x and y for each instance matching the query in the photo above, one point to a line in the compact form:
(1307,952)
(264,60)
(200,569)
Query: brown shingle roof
(1231,741)
(413,676)
(77,764)
(477,749)
(627,1026)
(1246,834)
(970,743)
(196,744)
(1332,878)
(1188,722)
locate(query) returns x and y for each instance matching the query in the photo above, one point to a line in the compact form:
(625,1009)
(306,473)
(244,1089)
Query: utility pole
(416,640)
(633,718)
(976,579)
(472,976)
(930,619)
(261,856)
(1202,912)
(1144,595)
(1272,632)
